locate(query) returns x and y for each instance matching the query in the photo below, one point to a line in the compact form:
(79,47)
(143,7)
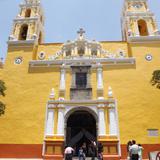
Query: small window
(23,32)
(68,53)
(153,132)
(142,26)
(94,52)
(81,51)
(81,80)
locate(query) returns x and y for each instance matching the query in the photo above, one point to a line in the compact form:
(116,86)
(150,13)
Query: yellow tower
(138,22)
(28,26)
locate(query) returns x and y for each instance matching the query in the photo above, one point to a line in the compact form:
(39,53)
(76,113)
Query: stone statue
(110,92)
(52,94)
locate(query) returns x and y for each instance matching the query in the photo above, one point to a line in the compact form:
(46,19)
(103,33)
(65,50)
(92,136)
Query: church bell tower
(28,26)
(138,22)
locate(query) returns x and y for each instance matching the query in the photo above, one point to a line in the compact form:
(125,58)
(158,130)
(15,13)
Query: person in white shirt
(68,153)
(134,150)
(140,151)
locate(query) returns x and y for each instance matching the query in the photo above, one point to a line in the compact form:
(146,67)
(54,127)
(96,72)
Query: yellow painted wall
(138,100)
(26,98)
(27,94)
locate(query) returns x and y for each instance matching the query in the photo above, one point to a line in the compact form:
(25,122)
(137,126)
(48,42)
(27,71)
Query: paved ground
(42,159)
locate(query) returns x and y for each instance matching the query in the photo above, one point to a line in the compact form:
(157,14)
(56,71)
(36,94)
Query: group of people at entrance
(134,150)
(93,150)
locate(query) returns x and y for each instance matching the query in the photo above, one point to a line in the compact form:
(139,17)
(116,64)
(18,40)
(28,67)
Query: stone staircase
(76,158)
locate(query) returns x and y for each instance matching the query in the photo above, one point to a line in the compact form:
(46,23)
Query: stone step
(76,158)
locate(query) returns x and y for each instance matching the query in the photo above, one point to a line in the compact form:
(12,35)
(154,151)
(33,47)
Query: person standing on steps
(140,151)
(94,150)
(129,144)
(100,151)
(134,150)
(68,153)
(81,154)
(84,147)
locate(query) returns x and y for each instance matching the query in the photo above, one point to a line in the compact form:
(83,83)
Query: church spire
(138,22)
(28,26)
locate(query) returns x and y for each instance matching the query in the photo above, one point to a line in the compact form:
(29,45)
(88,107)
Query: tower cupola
(138,22)
(28,26)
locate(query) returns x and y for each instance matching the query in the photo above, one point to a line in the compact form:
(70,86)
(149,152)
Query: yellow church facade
(80,91)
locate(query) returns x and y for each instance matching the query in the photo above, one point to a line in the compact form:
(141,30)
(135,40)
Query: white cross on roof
(81,32)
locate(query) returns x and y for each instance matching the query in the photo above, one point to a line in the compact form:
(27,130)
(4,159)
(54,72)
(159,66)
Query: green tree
(156,78)
(2,89)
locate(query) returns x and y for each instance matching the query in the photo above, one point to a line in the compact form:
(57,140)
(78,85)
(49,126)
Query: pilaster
(50,122)
(60,125)
(101,120)
(62,81)
(99,81)
(112,120)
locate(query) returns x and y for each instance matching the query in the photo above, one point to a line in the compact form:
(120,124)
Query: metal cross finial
(81,32)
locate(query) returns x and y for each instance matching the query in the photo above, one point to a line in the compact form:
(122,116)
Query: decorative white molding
(15,42)
(21,20)
(80,102)
(143,39)
(89,60)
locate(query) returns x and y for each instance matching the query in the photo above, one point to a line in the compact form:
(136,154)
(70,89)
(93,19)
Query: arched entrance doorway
(80,128)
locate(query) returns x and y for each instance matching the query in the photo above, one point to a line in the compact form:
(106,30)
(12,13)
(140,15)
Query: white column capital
(61,106)
(101,106)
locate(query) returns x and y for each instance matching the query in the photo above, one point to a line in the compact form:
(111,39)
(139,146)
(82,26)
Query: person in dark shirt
(100,151)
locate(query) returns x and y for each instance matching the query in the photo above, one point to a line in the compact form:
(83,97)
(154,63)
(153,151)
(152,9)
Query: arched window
(81,51)
(142,26)
(23,32)
(68,53)
(94,52)
(28,13)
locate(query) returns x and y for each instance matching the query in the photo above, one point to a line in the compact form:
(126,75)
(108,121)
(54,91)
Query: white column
(112,122)
(150,30)
(62,79)
(50,122)
(101,122)
(137,29)
(60,126)
(75,50)
(98,53)
(89,52)
(99,77)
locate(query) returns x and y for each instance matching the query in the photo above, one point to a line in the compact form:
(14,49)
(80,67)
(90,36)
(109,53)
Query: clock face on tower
(137,5)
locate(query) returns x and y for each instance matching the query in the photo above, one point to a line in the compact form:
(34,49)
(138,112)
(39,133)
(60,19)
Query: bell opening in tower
(142,26)
(23,32)
(28,13)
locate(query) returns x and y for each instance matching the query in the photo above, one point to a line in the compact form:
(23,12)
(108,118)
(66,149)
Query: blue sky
(99,18)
